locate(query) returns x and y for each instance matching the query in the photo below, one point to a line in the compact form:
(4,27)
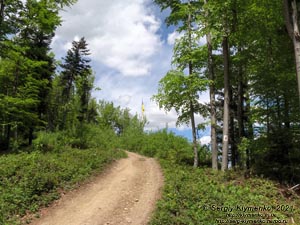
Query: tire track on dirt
(126,193)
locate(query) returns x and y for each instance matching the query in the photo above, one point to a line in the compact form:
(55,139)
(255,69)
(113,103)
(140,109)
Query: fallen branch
(295,187)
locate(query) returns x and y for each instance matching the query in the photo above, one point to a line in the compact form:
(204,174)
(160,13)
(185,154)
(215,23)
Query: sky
(131,50)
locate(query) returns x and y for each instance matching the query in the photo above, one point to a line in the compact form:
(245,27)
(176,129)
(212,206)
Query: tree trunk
(232,139)
(240,110)
(296,41)
(213,117)
(268,119)
(196,157)
(226,105)
(250,134)
(279,121)
(1,12)
(297,58)
(7,141)
(233,143)
(240,106)
(30,136)
(196,160)
(287,122)
(291,19)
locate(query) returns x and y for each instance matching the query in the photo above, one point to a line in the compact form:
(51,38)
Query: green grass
(31,180)
(202,196)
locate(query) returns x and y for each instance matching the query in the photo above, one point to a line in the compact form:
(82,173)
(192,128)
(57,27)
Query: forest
(54,134)
(250,66)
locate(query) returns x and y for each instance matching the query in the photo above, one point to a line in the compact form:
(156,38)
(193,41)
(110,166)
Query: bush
(164,145)
(283,159)
(86,136)
(191,196)
(50,141)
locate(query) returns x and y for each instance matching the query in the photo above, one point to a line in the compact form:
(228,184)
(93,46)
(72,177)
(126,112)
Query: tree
(291,13)
(40,20)
(26,32)
(19,94)
(212,94)
(76,80)
(251,57)
(186,54)
(181,92)
(221,20)
(190,68)
(226,116)
(10,12)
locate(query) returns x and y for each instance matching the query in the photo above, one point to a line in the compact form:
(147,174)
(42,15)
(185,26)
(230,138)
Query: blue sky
(131,51)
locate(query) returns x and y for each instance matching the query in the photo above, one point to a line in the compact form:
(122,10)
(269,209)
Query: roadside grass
(29,181)
(203,196)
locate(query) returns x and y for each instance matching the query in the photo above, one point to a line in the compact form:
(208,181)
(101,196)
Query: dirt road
(125,193)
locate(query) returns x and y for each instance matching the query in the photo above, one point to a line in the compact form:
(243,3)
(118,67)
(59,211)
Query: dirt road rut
(125,193)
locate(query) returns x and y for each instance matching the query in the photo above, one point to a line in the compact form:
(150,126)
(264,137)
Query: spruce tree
(76,80)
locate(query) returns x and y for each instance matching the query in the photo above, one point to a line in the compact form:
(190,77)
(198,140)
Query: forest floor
(125,193)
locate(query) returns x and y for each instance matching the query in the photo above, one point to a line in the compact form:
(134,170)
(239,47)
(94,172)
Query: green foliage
(164,145)
(88,136)
(133,137)
(19,93)
(26,66)
(190,196)
(46,142)
(282,155)
(167,145)
(91,136)
(263,92)
(243,147)
(76,81)
(31,180)
(9,18)
(179,91)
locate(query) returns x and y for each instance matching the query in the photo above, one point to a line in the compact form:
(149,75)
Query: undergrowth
(31,180)
(203,196)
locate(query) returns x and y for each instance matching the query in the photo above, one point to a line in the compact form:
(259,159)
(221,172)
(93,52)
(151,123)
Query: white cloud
(204,97)
(172,37)
(205,140)
(129,56)
(159,119)
(202,41)
(175,35)
(124,99)
(121,34)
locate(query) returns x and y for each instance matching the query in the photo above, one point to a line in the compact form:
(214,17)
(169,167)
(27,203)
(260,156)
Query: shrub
(190,196)
(49,141)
